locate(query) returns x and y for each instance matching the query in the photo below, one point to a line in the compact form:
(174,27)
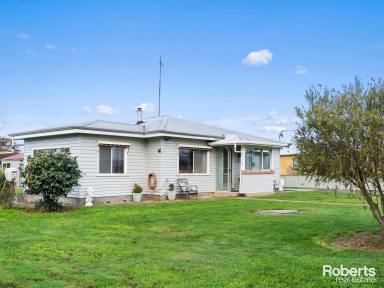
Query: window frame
(50,148)
(262,150)
(193,148)
(125,159)
(6,165)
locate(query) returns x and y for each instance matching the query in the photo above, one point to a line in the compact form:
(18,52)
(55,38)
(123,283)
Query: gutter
(250,143)
(85,130)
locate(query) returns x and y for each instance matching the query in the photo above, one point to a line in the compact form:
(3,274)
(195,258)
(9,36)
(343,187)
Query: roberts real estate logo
(351,275)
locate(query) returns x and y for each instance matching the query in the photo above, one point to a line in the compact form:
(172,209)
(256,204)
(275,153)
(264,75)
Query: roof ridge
(163,122)
(107,121)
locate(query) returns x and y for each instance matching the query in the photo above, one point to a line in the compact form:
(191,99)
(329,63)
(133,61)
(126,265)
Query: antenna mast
(160,66)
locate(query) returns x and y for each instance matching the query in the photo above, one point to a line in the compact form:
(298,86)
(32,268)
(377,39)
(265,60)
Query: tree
(340,137)
(52,175)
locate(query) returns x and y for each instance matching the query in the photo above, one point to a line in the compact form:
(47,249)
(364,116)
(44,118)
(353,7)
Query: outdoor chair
(185,188)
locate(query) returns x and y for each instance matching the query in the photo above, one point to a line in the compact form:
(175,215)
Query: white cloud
(273,129)
(301,70)
(50,46)
(269,125)
(72,50)
(107,110)
(87,109)
(30,51)
(23,36)
(147,107)
(257,58)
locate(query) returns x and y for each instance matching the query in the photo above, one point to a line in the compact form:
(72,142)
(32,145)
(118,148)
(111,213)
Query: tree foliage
(51,175)
(341,137)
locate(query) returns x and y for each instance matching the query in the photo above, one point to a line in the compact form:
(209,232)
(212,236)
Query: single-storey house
(155,152)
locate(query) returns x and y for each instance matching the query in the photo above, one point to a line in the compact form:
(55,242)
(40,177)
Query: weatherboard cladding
(158,155)
(112,185)
(262,182)
(70,141)
(169,165)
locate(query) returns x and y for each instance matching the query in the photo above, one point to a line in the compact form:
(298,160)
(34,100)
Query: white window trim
(257,148)
(192,174)
(100,143)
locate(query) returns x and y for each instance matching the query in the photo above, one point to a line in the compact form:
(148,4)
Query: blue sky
(243,65)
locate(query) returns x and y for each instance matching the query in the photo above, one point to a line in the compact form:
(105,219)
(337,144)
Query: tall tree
(341,137)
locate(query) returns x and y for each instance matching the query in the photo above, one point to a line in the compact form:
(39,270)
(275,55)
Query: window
(258,159)
(55,150)
(294,163)
(193,161)
(6,165)
(111,159)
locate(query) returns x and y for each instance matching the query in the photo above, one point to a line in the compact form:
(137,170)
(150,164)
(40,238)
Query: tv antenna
(160,66)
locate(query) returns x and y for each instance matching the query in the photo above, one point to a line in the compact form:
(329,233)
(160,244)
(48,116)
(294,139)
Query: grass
(328,197)
(210,243)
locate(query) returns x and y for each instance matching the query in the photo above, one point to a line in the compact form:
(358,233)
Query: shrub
(137,188)
(6,194)
(51,175)
(171,187)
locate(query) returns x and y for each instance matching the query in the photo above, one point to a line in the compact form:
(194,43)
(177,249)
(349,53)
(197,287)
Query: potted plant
(171,192)
(136,192)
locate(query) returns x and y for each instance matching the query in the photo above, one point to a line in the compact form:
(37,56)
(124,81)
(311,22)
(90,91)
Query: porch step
(226,194)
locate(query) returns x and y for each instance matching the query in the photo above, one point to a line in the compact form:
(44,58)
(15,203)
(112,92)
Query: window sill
(256,172)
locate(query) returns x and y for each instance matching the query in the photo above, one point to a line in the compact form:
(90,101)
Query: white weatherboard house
(113,156)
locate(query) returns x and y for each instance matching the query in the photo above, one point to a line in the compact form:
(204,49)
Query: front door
(227,169)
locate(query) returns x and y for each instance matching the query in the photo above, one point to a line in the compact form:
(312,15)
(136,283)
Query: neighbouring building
(293,180)
(287,165)
(15,160)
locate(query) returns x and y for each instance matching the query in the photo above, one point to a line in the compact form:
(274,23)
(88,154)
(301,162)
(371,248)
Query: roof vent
(139,115)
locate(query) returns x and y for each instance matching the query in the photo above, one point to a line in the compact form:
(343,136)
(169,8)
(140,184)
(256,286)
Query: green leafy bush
(137,188)
(171,187)
(51,175)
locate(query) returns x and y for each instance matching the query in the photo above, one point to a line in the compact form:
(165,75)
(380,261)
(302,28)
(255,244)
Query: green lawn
(327,197)
(205,243)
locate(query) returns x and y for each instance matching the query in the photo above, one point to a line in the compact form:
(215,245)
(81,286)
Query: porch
(247,166)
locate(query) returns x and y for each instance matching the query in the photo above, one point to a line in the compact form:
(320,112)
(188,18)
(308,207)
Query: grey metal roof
(174,125)
(163,124)
(98,125)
